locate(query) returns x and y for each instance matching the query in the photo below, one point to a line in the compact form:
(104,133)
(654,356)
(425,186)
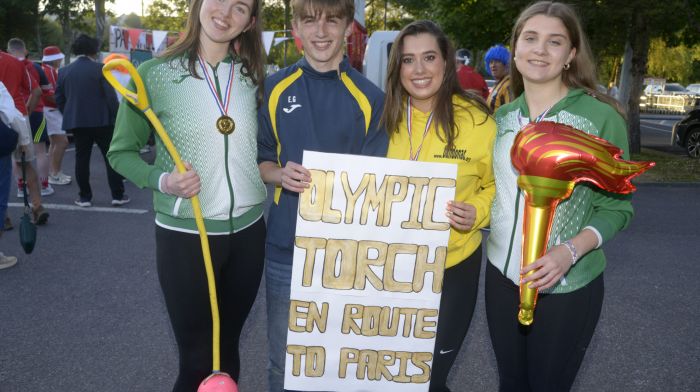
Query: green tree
(385,15)
(69,15)
(51,33)
(18,18)
(672,22)
(100,19)
(276,17)
(672,63)
(132,20)
(170,15)
(474,24)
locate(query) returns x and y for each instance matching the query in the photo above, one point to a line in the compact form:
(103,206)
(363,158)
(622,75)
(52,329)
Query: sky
(120,7)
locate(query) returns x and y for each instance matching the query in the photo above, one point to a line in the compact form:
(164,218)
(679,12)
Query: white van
(374,64)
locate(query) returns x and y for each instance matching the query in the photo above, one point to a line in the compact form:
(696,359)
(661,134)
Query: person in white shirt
(11,120)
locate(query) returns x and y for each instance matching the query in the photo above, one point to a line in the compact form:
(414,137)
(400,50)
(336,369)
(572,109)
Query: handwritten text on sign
(369,256)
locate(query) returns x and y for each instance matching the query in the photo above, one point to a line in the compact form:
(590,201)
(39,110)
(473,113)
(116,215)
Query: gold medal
(225,125)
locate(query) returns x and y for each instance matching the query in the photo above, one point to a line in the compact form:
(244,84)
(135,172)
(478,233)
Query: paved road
(657,132)
(84,312)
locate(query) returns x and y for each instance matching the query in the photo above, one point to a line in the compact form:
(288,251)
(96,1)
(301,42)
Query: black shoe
(8,224)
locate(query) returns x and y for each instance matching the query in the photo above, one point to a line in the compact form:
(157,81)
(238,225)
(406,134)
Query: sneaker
(40,215)
(47,190)
(120,202)
(60,179)
(83,203)
(7,224)
(7,261)
(20,194)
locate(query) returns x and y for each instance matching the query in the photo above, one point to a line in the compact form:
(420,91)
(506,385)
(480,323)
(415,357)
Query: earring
(567,66)
(514,58)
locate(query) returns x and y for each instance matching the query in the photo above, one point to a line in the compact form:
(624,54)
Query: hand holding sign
(369,260)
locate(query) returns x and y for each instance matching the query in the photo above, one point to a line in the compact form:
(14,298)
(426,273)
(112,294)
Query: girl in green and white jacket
(553,76)
(209,78)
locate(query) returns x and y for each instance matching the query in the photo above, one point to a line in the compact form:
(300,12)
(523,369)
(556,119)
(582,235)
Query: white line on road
(68,207)
(647,124)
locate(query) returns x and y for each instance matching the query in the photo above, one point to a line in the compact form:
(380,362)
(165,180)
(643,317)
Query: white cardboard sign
(370,248)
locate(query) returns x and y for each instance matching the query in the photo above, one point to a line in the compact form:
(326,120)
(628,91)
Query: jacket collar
(571,97)
(309,70)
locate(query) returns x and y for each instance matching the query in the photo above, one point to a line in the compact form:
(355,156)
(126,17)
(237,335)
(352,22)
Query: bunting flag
(134,35)
(125,40)
(279,40)
(159,40)
(268,38)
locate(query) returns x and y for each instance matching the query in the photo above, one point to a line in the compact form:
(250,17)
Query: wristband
(572,249)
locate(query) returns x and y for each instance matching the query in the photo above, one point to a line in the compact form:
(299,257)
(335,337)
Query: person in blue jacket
(322,104)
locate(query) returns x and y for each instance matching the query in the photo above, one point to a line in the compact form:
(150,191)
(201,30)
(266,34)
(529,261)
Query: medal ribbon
(223,106)
(524,121)
(408,126)
(541,116)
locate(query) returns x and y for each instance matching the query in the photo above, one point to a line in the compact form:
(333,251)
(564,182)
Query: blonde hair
(343,9)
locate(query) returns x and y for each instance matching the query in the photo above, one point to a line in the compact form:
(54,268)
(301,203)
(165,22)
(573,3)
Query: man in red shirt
(16,47)
(18,82)
(51,60)
(468,78)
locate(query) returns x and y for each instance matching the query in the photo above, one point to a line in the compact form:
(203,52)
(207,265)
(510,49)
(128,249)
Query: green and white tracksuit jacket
(588,206)
(232,192)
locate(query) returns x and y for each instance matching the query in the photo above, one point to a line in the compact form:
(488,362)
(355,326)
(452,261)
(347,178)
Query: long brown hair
(582,70)
(443,109)
(247,45)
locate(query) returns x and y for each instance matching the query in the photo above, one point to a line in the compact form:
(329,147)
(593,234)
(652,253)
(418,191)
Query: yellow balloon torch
(139,99)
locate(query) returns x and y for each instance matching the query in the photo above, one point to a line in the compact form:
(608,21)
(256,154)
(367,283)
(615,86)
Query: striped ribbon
(409,118)
(223,106)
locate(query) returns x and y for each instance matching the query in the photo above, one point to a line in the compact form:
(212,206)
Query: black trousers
(238,261)
(459,292)
(84,139)
(546,355)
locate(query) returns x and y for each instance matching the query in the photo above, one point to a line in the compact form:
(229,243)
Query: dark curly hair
(85,45)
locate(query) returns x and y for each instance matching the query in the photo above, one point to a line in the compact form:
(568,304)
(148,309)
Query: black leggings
(459,292)
(237,261)
(546,355)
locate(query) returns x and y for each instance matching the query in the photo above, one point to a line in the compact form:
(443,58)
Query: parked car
(693,88)
(686,133)
(376,60)
(666,89)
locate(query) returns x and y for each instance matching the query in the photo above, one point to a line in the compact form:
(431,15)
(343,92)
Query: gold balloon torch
(551,158)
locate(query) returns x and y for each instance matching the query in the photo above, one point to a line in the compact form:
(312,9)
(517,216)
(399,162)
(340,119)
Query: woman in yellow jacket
(430,118)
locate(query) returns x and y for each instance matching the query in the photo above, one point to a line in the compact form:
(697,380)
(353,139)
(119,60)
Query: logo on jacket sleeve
(291,100)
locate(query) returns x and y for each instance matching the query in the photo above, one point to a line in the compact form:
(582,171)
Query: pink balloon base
(218,382)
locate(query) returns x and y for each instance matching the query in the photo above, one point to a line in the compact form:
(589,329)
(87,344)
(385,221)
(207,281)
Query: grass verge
(669,168)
